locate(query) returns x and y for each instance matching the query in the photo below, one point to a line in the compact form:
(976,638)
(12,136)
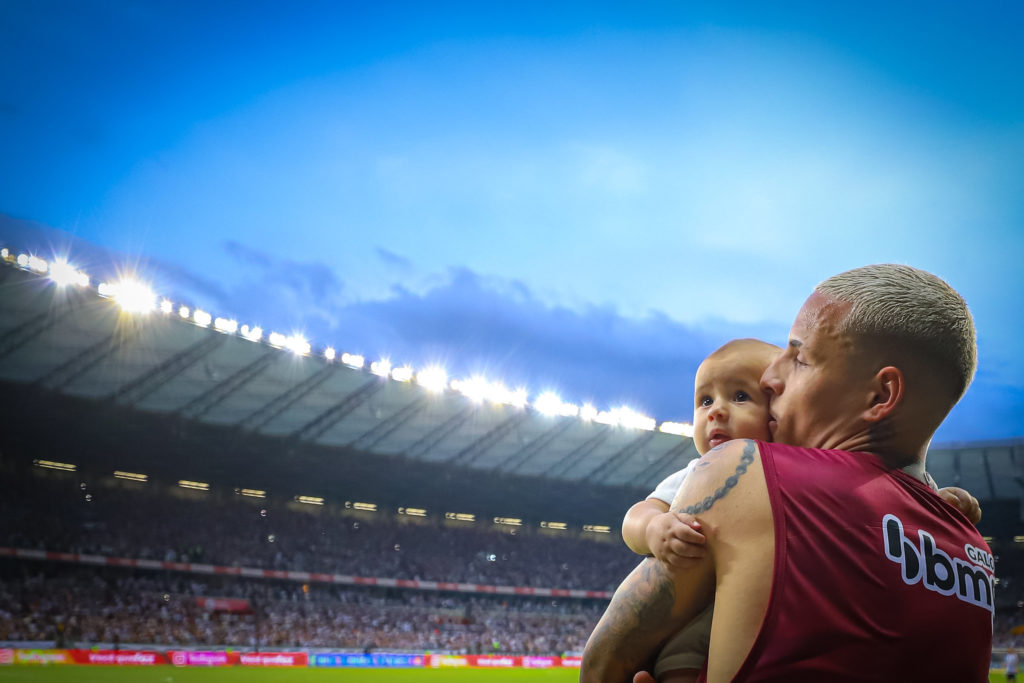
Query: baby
(727,404)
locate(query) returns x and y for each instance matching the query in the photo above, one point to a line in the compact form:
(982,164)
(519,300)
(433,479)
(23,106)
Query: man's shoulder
(719,472)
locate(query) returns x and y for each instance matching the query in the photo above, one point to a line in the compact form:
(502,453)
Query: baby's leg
(683,656)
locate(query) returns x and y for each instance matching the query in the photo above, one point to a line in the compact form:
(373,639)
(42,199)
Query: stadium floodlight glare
(5,253)
(353,360)
(54,465)
(132,295)
(253,334)
(434,379)
(131,476)
(412,512)
(166,307)
(202,318)
(1018,539)
(23,260)
(251,493)
(557,526)
(365,507)
(330,353)
(381,368)
(37,264)
(550,404)
(184,312)
(460,516)
(309,500)
(508,521)
(194,485)
(588,412)
(278,340)
(676,428)
(402,374)
(298,345)
(225,325)
(597,528)
(475,388)
(64,274)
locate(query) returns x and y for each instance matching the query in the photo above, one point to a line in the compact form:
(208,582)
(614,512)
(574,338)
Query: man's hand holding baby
(675,539)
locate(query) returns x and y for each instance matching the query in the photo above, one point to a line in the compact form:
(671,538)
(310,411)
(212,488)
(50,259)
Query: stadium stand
(375,514)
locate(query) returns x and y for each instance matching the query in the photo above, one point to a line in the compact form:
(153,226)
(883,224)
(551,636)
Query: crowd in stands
(86,606)
(55,514)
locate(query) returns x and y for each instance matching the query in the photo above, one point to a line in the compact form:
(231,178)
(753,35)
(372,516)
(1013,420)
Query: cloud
(392,259)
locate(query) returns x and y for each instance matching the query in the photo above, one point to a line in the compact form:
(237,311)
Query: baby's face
(728,402)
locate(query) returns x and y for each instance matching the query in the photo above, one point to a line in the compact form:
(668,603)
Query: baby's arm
(634,526)
(671,537)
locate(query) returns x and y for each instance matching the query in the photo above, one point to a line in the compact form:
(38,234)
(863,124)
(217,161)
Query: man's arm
(652,602)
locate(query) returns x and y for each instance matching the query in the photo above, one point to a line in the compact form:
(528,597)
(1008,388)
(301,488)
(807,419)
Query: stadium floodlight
(251,493)
(550,404)
(434,379)
(365,507)
(517,398)
(413,512)
(194,485)
(166,307)
(37,264)
(309,500)
(64,274)
(131,476)
(5,253)
(132,295)
(402,374)
(278,340)
(353,360)
(597,528)
(330,353)
(588,412)
(253,334)
(676,428)
(184,312)
(202,318)
(225,325)
(475,388)
(54,465)
(381,368)
(298,345)
(557,526)
(23,260)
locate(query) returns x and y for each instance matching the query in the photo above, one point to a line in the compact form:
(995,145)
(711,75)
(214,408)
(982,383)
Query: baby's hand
(675,539)
(962,501)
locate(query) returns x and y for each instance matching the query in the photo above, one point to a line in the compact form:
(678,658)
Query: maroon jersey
(876,578)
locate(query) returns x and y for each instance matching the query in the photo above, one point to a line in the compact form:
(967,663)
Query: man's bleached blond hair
(915,311)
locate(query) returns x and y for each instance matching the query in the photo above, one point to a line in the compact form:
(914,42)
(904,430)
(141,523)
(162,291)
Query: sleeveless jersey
(876,578)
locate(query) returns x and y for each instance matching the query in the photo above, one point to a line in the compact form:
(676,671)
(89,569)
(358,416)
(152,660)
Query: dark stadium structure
(150,462)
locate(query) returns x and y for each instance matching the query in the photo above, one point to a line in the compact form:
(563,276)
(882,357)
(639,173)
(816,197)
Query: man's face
(814,391)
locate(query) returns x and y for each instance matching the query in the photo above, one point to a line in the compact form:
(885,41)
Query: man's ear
(888,386)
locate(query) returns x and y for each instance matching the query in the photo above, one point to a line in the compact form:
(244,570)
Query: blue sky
(586,198)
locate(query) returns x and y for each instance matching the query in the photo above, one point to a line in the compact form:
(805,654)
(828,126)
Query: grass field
(167,674)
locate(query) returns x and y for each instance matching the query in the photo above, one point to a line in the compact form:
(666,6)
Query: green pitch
(168,674)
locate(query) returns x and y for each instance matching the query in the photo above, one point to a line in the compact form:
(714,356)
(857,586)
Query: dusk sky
(585,198)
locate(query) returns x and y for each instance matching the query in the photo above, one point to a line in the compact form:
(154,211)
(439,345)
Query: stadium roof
(60,332)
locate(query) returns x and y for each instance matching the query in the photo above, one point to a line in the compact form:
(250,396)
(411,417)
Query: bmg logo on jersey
(924,562)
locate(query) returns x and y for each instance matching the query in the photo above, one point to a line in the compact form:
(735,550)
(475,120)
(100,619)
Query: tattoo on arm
(746,458)
(637,620)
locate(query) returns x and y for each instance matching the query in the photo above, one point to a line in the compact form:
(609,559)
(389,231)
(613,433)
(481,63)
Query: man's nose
(771,382)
